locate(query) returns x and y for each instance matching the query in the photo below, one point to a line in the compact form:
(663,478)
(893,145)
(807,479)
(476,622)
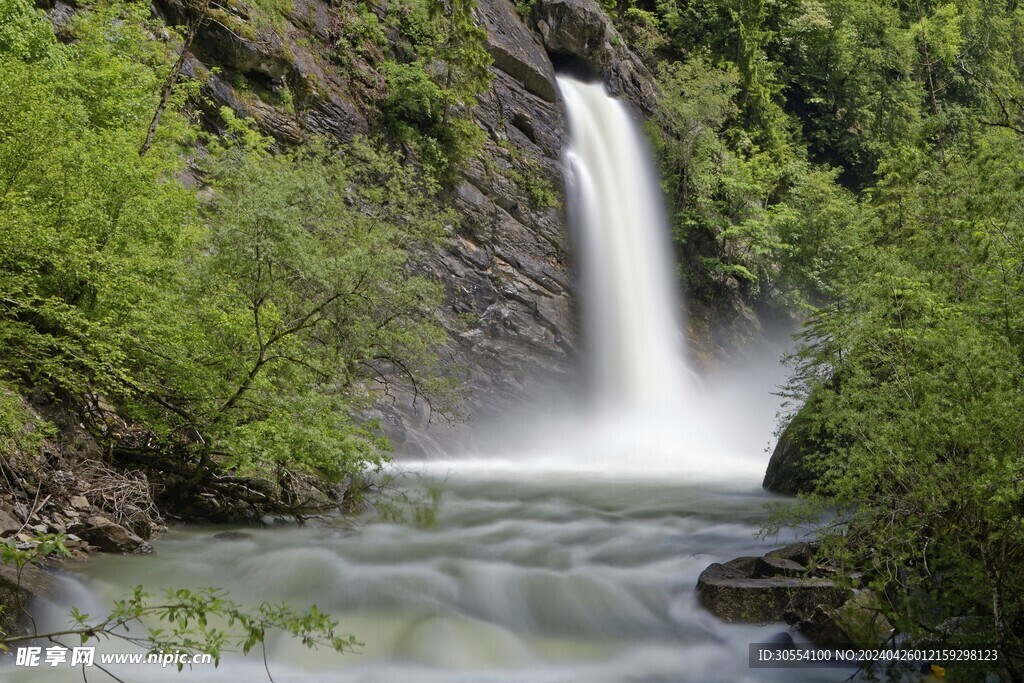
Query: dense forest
(219,306)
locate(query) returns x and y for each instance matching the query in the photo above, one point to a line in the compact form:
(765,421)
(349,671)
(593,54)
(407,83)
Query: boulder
(745,565)
(17,593)
(233,536)
(110,537)
(789,470)
(9,524)
(732,597)
(80,503)
(771,588)
(768,567)
(716,571)
(61,15)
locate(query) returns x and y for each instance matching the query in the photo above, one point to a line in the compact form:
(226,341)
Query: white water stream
(628,287)
(646,415)
(565,582)
(566,549)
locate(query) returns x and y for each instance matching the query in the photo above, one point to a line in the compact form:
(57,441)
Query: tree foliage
(234,305)
(916,377)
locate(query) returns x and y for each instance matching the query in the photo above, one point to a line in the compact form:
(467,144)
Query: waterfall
(628,288)
(646,414)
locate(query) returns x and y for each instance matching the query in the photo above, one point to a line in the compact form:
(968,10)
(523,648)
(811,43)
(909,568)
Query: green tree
(24,32)
(305,293)
(87,226)
(775,223)
(916,375)
(238,326)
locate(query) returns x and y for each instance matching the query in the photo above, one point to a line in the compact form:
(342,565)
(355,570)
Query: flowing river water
(564,546)
(519,579)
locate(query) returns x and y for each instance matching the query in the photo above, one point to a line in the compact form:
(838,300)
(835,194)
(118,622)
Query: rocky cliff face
(507,276)
(578,32)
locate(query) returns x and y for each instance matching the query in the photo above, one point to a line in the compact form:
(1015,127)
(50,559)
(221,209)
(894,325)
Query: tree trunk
(172,79)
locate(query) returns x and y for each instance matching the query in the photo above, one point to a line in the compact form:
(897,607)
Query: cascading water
(628,289)
(646,414)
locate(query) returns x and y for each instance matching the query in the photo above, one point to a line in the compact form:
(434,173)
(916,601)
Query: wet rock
(768,567)
(233,536)
(801,552)
(17,593)
(110,537)
(582,30)
(771,588)
(764,601)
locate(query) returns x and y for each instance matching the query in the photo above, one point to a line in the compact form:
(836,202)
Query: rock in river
(110,537)
(776,587)
(16,592)
(731,596)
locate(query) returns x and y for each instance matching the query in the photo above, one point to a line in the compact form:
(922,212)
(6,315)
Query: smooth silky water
(516,581)
(567,542)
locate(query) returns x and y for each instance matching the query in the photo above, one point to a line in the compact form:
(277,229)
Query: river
(518,579)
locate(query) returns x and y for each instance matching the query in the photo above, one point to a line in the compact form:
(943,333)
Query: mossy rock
(732,596)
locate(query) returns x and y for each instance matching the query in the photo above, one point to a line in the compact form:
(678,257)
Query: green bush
(24,31)
(21,432)
(413,97)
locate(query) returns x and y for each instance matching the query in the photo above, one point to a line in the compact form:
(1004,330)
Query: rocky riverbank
(77,511)
(793,585)
(110,525)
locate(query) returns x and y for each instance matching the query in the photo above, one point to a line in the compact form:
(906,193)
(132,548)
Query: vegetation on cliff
(214,310)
